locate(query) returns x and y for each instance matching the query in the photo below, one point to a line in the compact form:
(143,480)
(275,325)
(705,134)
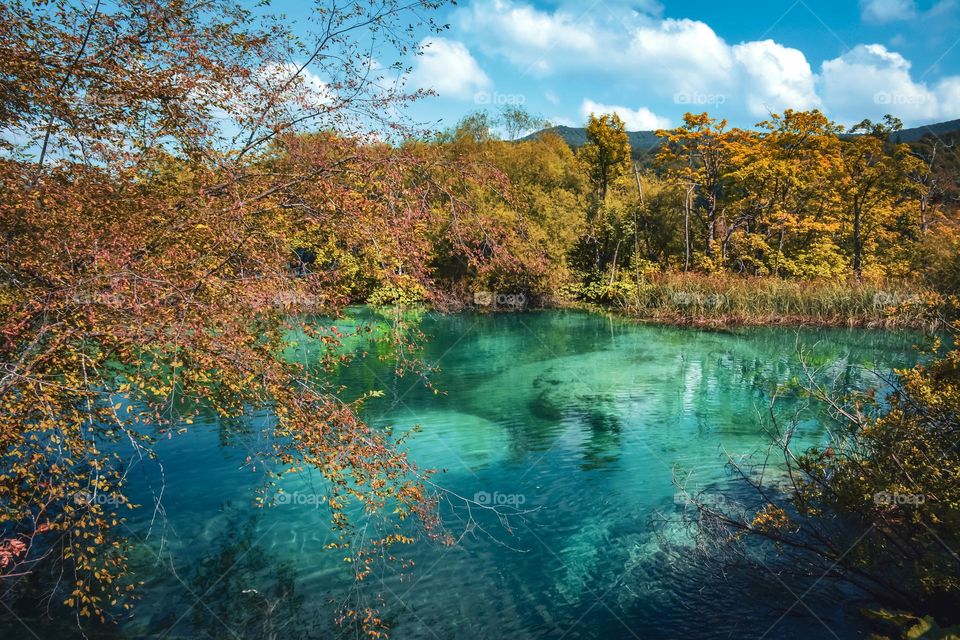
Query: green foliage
(822,259)
(606,154)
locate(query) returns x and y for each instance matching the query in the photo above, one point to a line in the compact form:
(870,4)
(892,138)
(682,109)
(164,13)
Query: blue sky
(652,60)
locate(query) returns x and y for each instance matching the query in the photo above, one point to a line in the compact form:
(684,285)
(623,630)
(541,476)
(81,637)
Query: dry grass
(724,300)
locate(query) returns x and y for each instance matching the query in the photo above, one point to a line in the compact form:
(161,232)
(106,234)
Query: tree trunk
(776,265)
(711,225)
(857,243)
(711,234)
(636,174)
(686,228)
(613,271)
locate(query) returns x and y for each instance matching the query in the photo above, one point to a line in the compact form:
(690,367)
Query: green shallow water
(587,419)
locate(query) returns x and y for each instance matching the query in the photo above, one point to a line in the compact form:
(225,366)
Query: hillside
(642,142)
(939,129)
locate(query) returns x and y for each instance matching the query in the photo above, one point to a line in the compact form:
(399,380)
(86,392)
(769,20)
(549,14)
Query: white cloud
(880,11)
(684,55)
(671,59)
(869,81)
(683,64)
(646,7)
(560,121)
(530,38)
(679,54)
(775,77)
(447,67)
(281,88)
(314,91)
(948,91)
(301,87)
(641,119)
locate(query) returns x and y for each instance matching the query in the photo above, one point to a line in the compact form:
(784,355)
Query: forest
(797,199)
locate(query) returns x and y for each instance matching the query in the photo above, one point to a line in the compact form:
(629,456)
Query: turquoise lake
(589,422)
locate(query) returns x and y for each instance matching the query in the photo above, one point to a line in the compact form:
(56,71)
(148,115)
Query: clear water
(588,419)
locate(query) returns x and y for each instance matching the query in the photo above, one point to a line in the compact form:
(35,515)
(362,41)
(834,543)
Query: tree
(875,507)
(872,178)
(477,127)
(698,156)
(155,190)
(517,121)
(546,198)
(926,182)
(785,209)
(606,153)
(606,157)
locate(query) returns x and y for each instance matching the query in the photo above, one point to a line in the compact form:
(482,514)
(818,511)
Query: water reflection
(240,589)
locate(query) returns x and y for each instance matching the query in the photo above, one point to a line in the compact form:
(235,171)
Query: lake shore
(723,301)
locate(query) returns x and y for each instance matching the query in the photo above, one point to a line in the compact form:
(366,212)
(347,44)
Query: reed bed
(716,299)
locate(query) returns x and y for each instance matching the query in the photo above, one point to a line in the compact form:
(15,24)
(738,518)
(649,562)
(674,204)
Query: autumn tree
(155,230)
(517,121)
(784,214)
(605,157)
(606,153)
(928,184)
(873,177)
(547,198)
(873,508)
(697,155)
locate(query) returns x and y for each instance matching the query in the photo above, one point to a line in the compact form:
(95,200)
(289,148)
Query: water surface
(587,421)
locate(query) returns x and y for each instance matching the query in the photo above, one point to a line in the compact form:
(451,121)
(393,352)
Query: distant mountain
(642,142)
(916,133)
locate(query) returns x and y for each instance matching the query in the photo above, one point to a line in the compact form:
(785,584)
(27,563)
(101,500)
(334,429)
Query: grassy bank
(724,300)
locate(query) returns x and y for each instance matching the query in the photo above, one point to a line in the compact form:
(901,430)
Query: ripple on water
(588,418)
